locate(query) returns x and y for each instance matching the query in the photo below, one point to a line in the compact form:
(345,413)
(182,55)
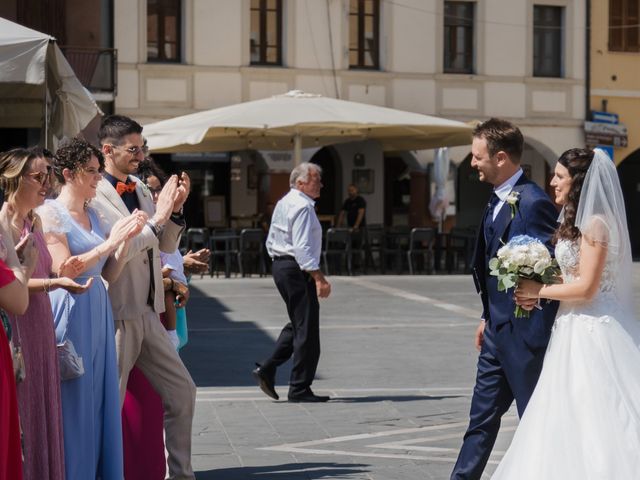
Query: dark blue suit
(513,349)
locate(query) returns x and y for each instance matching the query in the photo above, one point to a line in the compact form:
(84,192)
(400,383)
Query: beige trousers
(144,342)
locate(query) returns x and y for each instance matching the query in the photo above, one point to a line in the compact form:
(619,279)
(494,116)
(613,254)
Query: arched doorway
(629,173)
(329,202)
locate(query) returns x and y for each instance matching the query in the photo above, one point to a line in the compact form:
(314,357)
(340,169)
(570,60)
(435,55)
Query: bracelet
(46,285)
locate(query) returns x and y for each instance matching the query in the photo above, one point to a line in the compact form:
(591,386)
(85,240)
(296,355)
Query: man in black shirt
(355,207)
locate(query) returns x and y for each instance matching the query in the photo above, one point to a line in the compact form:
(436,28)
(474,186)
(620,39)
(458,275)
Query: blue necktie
(488,220)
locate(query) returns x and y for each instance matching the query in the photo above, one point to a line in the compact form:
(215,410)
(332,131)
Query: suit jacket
(129,292)
(537,217)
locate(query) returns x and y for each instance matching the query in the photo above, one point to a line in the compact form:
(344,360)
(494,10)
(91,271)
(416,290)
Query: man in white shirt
(294,243)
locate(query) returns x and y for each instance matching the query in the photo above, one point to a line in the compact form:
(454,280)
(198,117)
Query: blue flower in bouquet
(523,257)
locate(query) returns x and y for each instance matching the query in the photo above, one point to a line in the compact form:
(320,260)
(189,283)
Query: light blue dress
(90,403)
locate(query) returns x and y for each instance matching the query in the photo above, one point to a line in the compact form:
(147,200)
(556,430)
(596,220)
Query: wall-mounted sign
(605,134)
(604,117)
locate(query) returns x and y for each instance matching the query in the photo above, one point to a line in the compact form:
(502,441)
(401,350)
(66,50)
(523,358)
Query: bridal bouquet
(525,257)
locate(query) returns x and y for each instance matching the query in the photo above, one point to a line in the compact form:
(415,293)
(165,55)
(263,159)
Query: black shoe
(307,397)
(265,381)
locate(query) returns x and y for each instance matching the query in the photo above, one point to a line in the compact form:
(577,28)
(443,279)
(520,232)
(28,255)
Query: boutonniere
(145,190)
(512,199)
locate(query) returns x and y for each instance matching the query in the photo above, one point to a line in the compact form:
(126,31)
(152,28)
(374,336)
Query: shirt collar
(304,196)
(503,190)
(113,180)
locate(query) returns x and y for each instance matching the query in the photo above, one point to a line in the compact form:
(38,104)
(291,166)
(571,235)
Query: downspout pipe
(587,81)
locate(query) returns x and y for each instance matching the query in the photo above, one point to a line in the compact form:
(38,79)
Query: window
(364,34)
(458,37)
(547,41)
(163,30)
(266,32)
(624,25)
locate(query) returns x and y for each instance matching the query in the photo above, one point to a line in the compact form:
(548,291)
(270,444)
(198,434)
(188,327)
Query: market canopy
(297,120)
(38,88)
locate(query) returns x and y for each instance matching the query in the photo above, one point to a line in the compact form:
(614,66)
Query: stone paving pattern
(397,359)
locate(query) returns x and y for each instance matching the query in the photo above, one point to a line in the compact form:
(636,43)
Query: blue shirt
(295,230)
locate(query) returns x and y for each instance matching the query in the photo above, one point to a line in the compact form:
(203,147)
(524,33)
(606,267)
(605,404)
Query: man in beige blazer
(137,295)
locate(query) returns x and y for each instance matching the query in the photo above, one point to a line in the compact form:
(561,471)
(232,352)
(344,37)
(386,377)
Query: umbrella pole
(297,149)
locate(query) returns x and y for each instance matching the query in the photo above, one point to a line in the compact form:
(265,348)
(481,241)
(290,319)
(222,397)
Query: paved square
(397,359)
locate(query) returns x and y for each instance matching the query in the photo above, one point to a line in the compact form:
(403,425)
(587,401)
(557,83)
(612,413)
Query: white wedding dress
(583,420)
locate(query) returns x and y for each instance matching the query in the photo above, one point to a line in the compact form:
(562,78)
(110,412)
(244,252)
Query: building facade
(615,88)
(524,60)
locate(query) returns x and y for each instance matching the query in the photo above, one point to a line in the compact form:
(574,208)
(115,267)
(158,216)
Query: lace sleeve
(54,217)
(596,230)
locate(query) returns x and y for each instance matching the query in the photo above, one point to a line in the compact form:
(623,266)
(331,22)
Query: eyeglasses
(135,150)
(40,177)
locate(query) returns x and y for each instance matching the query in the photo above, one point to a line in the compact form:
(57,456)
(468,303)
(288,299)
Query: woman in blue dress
(90,402)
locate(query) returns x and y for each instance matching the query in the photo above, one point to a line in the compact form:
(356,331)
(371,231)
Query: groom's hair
(501,135)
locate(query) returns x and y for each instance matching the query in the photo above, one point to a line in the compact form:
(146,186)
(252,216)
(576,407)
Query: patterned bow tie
(125,187)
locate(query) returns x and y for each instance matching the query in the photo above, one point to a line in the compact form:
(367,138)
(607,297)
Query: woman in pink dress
(14,298)
(24,177)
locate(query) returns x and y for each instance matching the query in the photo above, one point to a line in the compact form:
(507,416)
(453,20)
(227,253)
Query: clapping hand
(27,252)
(166,200)
(197,262)
(71,267)
(184,187)
(127,227)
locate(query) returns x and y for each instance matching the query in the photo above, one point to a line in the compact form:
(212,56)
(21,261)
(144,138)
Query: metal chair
(251,246)
(460,243)
(358,249)
(375,245)
(421,242)
(223,244)
(337,243)
(396,246)
(197,238)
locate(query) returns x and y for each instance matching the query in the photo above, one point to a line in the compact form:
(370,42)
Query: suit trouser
(507,370)
(144,342)
(300,338)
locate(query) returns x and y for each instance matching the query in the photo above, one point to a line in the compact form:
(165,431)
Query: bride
(583,420)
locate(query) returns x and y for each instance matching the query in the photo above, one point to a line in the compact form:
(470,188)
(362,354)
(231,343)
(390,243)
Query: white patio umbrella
(297,120)
(38,87)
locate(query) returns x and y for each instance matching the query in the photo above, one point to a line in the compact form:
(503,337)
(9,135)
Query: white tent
(297,120)
(38,88)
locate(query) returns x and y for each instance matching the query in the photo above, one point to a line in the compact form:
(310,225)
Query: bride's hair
(577,161)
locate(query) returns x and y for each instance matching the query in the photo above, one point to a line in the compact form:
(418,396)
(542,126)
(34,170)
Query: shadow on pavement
(220,352)
(390,398)
(290,471)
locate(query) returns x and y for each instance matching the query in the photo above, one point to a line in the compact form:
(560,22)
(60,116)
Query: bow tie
(125,187)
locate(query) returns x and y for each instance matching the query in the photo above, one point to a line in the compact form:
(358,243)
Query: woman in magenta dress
(14,298)
(24,177)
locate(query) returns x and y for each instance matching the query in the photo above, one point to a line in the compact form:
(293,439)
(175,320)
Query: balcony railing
(95,67)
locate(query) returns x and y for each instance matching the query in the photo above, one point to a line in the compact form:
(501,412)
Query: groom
(511,349)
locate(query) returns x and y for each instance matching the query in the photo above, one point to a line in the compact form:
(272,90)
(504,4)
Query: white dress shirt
(504,190)
(295,230)
(175,263)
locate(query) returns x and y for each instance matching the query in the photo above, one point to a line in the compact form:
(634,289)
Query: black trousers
(300,337)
